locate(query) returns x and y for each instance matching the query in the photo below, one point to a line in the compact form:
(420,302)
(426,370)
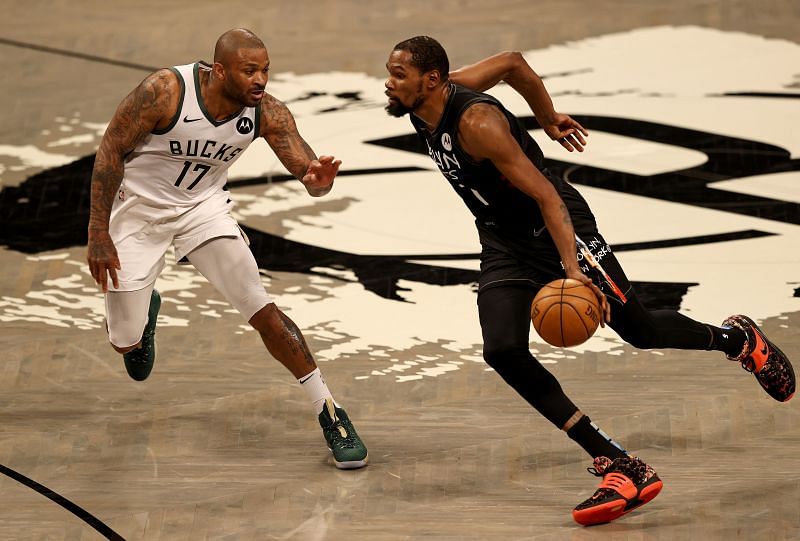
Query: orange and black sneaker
(627,483)
(768,364)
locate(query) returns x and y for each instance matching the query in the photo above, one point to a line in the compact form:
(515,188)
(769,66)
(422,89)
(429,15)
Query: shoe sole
(609,511)
(350,464)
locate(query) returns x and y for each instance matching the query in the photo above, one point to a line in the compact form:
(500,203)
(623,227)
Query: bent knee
(123,350)
(499,356)
(124,338)
(266,317)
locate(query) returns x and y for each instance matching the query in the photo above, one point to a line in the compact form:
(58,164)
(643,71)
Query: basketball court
(693,171)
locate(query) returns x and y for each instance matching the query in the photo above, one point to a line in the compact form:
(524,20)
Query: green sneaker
(139,361)
(349,452)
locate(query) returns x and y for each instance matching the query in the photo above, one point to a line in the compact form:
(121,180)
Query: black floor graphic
(49,211)
(728,158)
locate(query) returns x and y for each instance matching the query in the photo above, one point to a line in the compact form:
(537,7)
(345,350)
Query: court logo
(446,142)
(244,125)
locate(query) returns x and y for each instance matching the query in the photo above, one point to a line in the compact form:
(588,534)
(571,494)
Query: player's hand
(605,308)
(103,259)
(567,132)
(320,174)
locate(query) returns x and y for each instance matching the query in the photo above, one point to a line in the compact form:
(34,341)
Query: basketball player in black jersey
(533,227)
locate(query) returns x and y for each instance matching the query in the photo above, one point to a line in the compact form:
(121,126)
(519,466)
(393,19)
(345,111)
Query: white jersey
(188,161)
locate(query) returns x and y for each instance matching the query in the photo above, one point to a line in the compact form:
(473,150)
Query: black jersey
(491,198)
(507,218)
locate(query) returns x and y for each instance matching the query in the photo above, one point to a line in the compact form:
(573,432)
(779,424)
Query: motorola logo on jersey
(447,143)
(244,125)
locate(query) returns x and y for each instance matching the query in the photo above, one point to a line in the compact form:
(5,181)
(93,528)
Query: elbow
(514,59)
(515,56)
(515,66)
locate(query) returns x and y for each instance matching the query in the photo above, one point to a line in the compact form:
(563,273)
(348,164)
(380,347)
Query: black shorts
(513,258)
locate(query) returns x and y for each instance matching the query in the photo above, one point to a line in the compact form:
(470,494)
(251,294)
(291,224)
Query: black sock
(726,339)
(594,441)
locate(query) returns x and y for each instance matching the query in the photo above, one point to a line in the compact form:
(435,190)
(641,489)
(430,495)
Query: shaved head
(231,41)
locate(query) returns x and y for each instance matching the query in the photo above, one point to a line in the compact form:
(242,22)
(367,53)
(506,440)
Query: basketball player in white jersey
(158,182)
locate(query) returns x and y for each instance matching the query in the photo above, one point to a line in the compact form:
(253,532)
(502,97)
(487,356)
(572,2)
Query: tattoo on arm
(294,339)
(565,214)
(280,131)
(136,117)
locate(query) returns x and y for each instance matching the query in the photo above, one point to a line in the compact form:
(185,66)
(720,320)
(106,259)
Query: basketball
(565,313)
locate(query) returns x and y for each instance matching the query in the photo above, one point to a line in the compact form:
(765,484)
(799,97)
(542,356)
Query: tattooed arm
(280,131)
(150,105)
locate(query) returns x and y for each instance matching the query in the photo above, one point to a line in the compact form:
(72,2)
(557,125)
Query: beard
(397,109)
(236,94)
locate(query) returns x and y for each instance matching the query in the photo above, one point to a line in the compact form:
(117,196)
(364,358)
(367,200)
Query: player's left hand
(605,307)
(567,132)
(320,174)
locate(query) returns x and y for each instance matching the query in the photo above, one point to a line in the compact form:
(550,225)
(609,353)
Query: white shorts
(226,262)
(143,231)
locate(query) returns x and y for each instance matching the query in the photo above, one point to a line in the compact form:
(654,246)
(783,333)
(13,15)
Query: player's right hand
(102,258)
(320,174)
(605,308)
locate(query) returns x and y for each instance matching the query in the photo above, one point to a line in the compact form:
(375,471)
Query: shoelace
(632,468)
(599,466)
(344,441)
(142,352)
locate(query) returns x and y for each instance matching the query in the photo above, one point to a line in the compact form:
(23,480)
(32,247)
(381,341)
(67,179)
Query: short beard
(398,109)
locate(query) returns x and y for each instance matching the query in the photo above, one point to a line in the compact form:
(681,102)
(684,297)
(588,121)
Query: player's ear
(218,71)
(432,78)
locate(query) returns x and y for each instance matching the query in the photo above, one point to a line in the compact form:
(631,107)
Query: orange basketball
(565,313)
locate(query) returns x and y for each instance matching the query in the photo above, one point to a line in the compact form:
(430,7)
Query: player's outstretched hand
(103,259)
(567,132)
(605,308)
(320,174)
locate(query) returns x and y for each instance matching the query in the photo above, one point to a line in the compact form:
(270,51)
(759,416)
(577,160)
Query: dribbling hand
(605,308)
(567,132)
(319,176)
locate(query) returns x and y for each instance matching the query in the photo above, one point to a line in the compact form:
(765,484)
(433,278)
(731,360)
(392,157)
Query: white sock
(314,385)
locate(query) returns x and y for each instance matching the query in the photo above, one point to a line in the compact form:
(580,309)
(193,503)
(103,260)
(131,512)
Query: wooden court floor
(220,443)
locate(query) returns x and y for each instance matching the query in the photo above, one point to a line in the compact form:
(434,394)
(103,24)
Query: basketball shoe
(349,452)
(139,361)
(627,484)
(768,364)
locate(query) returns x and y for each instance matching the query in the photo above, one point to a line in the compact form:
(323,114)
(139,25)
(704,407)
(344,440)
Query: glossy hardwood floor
(221,444)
